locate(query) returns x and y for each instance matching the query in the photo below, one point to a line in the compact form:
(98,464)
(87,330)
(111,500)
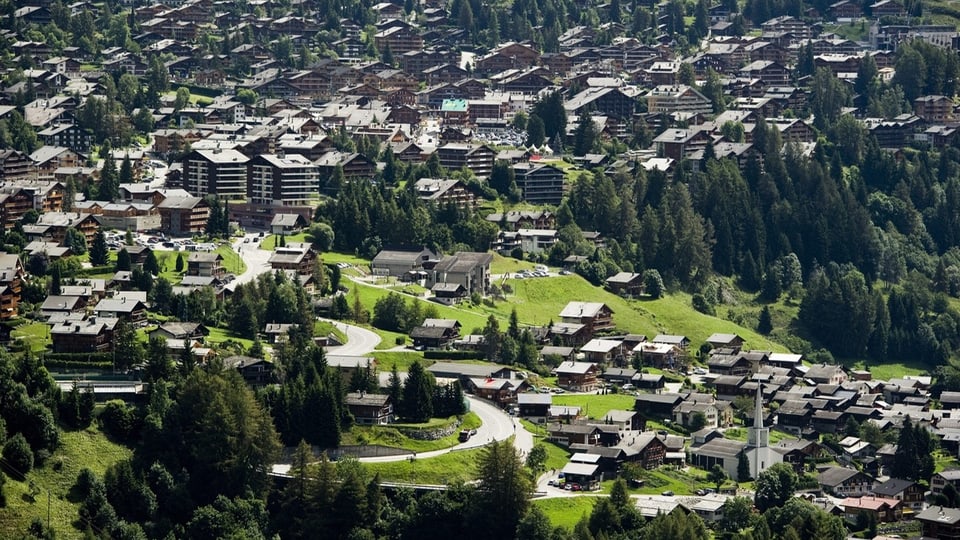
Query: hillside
(26,501)
(539,301)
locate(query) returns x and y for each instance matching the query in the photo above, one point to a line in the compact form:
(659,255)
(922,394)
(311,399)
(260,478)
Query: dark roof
(835,476)
(892,487)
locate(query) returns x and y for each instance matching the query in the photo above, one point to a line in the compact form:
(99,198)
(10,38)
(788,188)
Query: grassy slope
(446,469)
(596,406)
(390,436)
(538,301)
(80,449)
(566,512)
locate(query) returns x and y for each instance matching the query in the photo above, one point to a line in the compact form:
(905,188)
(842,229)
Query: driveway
(256,259)
(360,341)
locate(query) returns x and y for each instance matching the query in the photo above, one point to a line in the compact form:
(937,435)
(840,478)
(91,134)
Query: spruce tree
(99,251)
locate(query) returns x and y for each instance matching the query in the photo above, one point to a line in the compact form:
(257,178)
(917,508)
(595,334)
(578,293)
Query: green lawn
(231,259)
(324,328)
(449,468)
(220,335)
(270,242)
(666,479)
(403,360)
(37,335)
(594,406)
(391,436)
(566,511)
(508,265)
(79,449)
(168,263)
(889,370)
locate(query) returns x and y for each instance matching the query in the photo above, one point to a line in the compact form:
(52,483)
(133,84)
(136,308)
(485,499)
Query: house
(534,405)
(61,305)
(400,261)
(940,522)
(133,311)
(184,216)
(586,475)
(659,406)
(843,481)
(680,342)
(435,333)
(595,316)
(283,224)
(369,409)
(676,98)
(826,374)
(626,420)
(205,264)
(882,509)
(255,371)
(569,434)
(180,330)
(444,191)
(625,284)
(348,365)
(297,257)
(88,335)
(500,391)
(603,351)
(940,480)
(478,158)
(658,355)
(729,341)
(909,493)
(11,283)
(469,269)
(577,376)
(539,183)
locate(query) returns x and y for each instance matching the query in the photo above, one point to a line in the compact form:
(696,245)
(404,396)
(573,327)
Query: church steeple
(758,436)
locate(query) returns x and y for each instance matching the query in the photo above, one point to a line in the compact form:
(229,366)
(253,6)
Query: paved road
(360,341)
(255,258)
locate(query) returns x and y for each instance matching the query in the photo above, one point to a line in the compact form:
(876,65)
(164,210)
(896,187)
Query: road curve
(360,341)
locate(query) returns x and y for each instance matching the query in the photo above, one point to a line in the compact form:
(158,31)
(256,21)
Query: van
(541,268)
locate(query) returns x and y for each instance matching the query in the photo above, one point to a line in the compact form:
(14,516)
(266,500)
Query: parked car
(667,494)
(466,434)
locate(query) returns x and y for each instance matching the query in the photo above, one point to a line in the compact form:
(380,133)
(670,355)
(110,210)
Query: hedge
(73,364)
(453,355)
(80,358)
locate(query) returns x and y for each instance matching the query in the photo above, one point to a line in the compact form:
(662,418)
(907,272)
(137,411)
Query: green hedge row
(80,358)
(453,355)
(74,364)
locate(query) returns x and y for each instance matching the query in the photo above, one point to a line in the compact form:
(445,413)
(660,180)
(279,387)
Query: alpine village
(480,269)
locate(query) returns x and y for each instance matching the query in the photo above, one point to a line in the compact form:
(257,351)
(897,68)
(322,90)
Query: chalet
(595,316)
(729,362)
(205,264)
(659,406)
(730,341)
(603,351)
(577,376)
(909,493)
(618,376)
(534,405)
(939,522)
(798,452)
(826,374)
(255,371)
(11,282)
(435,333)
(881,509)
(133,312)
(680,342)
(299,257)
(283,224)
(940,480)
(842,481)
(565,354)
(444,191)
(625,284)
(658,355)
(369,409)
(89,335)
(568,434)
(500,391)
(180,330)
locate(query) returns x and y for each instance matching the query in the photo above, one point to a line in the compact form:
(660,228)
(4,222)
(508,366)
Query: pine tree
(417,398)
(109,188)
(123,261)
(743,468)
(126,170)
(765,324)
(99,251)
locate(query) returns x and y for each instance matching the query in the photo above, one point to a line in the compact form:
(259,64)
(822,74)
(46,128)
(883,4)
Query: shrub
(17,456)
(400,340)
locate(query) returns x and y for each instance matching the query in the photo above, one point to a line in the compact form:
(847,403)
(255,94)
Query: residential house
(539,183)
(500,391)
(478,158)
(595,316)
(435,333)
(296,256)
(88,335)
(625,283)
(255,371)
(826,374)
(184,216)
(659,406)
(400,261)
(469,269)
(577,376)
(909,493)
(843,481)
(11,284)
(881,509)
(940,480)
(369,409)
(133,311)
(534,405)
(348,365)
(940,522)
(569,434)
(205,264)
(603,351)
(676,98)
(445,191)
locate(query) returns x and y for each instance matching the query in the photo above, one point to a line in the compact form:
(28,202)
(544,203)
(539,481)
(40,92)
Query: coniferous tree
(417,398)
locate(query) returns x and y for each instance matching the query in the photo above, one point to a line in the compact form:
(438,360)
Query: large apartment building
(218,171)
(289,180)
